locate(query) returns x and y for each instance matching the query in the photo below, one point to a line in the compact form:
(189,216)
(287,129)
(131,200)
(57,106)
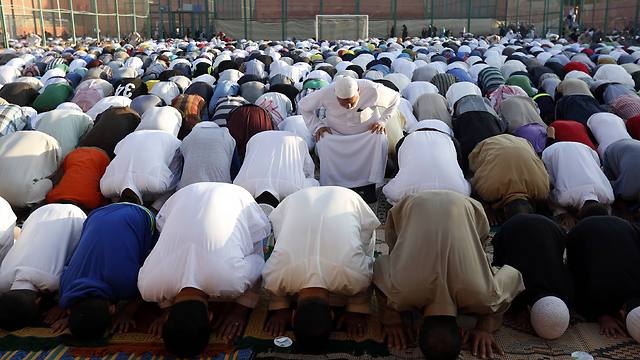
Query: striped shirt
(224,106)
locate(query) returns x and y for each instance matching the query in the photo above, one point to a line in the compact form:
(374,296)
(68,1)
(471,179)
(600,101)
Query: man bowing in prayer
(210,249)
(342,115)
(322,259)
(445,232)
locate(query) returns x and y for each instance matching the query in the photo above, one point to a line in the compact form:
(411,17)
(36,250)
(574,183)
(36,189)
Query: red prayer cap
(569,130)
(575,65)
(588,51)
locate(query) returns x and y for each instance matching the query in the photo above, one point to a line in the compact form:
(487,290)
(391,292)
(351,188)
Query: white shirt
(107,103)
(165,118)
(607,128)
(166,90)
(277,104)
(427,161)
(459,90)
(324,237)
(27,160)
(207,151)
(7,225)
(377,103)
(418,88)
(210,239)
(297,126)
(143,163)
(277,162)
(66,126)
(575,174)
(49,237)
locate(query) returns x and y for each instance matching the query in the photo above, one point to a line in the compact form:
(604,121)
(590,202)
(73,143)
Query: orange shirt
(80,184)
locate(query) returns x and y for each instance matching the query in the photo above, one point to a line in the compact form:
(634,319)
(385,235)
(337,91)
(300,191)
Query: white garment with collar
(277,162)
(165,118)
(210,239)
(607,128)
(144,163)
(106,103)
(575,174)
(427,161)
(49,237)
(7,225)
(376,103)
(325,238)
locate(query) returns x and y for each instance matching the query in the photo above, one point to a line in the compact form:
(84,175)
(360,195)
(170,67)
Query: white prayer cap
(633,324)
(345,87)
(550,317)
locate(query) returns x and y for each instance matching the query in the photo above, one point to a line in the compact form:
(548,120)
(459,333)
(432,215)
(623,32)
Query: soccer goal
(342,27)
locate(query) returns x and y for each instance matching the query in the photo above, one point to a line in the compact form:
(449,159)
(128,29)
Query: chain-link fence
(282,19)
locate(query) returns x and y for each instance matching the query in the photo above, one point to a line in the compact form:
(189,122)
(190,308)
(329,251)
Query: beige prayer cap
(550,317)
(346,87)
(633,324)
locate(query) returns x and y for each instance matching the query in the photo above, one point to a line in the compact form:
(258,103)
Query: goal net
(342,27)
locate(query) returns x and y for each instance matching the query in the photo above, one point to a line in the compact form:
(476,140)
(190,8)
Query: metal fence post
(244,18)
(5,36)
(206,17)
(544,18)
(73,21)
(468,16)
(432,3)
(135,19)
(160,21)
(44,33)
(635,19)
(518,11)
(282,19)
(561,18)
(606,16)
(394,4)
(95,10)
(117,20)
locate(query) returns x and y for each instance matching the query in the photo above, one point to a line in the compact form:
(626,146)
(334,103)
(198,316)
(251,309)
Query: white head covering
(550,317)
(432,124)
(459,90)
(345,87)
(613,73)
(633,324)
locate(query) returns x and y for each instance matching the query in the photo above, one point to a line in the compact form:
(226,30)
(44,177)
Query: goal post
(342,27)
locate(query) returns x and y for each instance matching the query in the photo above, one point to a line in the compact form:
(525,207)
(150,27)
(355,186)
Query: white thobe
(377,103)
(351,156)
(607,128)
(210,239)
(325,238)
(277,162)
(575,174)
(49,237)
(66,126)
(165,118)
(144,163)
(106,103)
(427,161)
(7,226)
(27,161)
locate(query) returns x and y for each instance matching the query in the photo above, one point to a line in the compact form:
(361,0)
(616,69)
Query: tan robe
(437,262)
(506,168)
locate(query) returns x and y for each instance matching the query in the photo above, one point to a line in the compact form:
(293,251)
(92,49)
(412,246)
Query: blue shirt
(114,243)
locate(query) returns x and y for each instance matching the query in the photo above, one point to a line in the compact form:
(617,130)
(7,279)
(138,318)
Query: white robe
(49,237)
(575,174)
(607,128)
(143,163)
(165,118)
(210,239)
(352,160)
(427,161)
(277,162)
(325,238)
(7,226)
